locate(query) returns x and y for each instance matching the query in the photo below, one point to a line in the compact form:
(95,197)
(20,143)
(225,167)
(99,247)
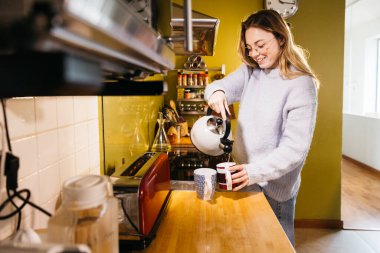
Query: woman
(277,91)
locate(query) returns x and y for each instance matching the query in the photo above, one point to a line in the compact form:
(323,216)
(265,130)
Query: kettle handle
(228,123)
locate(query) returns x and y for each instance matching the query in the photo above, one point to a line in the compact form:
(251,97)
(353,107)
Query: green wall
(319,27)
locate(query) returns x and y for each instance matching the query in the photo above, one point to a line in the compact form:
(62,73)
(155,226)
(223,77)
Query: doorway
(361,116)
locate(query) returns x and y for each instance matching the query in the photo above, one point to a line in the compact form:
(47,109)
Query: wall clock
(286,8)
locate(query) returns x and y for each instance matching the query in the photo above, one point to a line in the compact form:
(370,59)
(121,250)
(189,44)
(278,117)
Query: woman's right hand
(218,103)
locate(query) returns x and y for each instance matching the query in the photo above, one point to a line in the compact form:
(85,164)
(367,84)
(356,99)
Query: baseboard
(314,223)
(360,164)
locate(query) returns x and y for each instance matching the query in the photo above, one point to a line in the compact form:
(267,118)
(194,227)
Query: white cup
(224,175)
(205,183)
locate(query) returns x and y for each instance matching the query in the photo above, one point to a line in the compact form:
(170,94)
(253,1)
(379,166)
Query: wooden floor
(310,240)
(360,214)
(360,197)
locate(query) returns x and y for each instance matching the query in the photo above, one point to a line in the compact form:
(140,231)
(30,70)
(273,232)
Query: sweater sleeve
(232,85)
(293,147)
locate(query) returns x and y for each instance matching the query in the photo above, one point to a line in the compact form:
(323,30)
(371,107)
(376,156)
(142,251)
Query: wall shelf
(192,87)
(193,113)
(191,100)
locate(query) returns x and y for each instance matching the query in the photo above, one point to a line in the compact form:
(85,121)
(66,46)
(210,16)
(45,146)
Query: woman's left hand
(240,177)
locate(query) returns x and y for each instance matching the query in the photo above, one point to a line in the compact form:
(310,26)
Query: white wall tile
(31,183)
(80,109)
(6,227)
(66,169)
(82,162)
(95,171)
(21,117)
(52,147)
(26,150)
(49,183)
(46,113)
(66,141)
(81,136)
(65,111)
(94,157)
(93,131)
(43,218)
(92,108)
(47,149)
(30,221)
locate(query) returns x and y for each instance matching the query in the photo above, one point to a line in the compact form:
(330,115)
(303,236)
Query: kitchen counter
(231,222)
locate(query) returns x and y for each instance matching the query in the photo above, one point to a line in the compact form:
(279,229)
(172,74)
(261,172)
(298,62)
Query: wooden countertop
(232,222)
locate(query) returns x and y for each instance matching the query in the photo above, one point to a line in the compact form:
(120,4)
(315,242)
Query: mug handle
(228,179)
(208,188)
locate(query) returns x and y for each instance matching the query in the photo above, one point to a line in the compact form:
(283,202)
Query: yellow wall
(319,27)
(127,128)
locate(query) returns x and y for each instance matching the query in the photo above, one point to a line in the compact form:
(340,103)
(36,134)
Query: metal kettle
(211,135)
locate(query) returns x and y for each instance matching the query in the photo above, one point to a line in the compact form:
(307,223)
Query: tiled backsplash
(55,138)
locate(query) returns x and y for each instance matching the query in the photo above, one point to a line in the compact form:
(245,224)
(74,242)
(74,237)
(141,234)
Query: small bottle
(180,93)
(187,94)
(88,215)
(206,79)
(190,79)
(184,80)
(200,79)
(195,79)
(179,76)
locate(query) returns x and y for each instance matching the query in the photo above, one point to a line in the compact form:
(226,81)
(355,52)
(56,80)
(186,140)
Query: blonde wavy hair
(290,55)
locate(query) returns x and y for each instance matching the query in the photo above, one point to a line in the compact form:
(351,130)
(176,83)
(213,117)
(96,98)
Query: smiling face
(263,47)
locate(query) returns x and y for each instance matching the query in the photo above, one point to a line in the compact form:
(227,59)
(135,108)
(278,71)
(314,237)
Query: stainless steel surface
(188,26)
(108,32)
(204,28)
(109,28)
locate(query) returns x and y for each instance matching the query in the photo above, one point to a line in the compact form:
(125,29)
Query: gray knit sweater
(275,126)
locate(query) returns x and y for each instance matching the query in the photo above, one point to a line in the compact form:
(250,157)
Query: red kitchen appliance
(143,190)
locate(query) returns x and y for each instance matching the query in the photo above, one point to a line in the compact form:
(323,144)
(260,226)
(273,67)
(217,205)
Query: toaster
(143,191)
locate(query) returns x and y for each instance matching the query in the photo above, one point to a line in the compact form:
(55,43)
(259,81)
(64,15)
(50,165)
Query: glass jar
(88,215)
(187,94)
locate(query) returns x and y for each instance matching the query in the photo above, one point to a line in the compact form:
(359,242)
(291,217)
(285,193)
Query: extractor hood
(205,29)
(69,47)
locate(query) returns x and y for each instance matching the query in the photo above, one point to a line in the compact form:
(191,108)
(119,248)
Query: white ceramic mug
(205,183)
(224,175)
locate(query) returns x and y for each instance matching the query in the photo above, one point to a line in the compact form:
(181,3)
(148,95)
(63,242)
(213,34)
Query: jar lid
(85,191)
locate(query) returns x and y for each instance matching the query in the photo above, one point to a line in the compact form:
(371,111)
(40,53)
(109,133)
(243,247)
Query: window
(377,100)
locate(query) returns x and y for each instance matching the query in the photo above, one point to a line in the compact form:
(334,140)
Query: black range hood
(72,47)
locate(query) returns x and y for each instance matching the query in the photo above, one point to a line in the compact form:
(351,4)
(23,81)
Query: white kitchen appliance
(212,135)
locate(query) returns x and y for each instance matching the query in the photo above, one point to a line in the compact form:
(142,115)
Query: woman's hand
(218,102)
(240,177)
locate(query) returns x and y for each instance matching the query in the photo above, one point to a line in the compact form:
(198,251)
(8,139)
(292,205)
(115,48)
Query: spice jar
(184,79)
(187,94)
(179,77)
